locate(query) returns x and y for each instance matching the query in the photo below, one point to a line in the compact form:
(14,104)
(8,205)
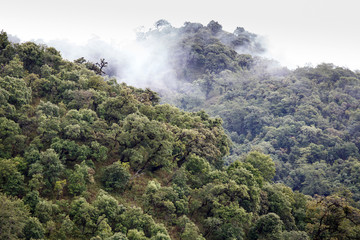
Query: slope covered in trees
(84,157)
(306,119)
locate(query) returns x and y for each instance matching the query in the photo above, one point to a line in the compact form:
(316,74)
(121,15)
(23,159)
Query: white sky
(297,31)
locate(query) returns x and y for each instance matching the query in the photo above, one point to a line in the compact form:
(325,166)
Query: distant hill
(306,119)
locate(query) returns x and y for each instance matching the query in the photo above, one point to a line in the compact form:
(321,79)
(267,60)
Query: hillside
(85,157)
(306,119)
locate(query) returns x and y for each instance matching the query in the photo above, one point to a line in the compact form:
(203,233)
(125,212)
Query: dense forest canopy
(306,119)
(83,156)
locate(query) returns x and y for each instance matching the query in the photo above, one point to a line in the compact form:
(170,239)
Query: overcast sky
(297,32)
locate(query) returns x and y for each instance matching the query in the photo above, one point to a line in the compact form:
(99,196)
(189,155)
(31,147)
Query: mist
(157,58)
(148,61)
(143,64)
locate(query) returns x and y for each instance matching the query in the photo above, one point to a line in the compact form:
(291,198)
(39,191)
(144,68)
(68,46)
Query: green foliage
(84,215)
(48,109)
(189,230)
(164,201)
(32,56)
(4,41)
(32,199)
(99,152)
(280,200)
(197,171)
(220,205)
(134,234)
(70,151)
(59,187)
(332,217)
(115,109)
(14,68)
(116,177)
(140,225)
(7,50)
(300,118)
(263,163)
(45,210)
(109,207)
(33,229)
(67,228)
(117,236)
(49,165)
(10,138)
(11,180)
(13,217)
(147,144)
(295,235)
(19,93)
(268,226)
(68,134)
(78,178)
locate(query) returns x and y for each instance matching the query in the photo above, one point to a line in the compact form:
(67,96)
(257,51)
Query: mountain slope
(306,119)
(83,157)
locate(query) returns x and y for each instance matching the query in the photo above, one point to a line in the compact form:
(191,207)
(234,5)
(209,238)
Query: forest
(252,151)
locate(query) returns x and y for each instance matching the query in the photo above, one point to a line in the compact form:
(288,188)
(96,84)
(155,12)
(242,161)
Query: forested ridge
(306,119)
(83,156)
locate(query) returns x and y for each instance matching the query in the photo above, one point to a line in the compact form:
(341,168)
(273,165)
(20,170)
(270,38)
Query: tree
(84,215)
(32,56)
(6,48)
(45,210)
(11,141)
(33,229)
(101,66)
(147,144)
(109,207)
(77,179)
(117,236)
(263,163)
(70,151)
(52,58)
(164,201)
(249,182)
(116,177)
(208,142)
(11,180)
(32,199)
(117,108)
(215,27)
(50,166)
(245,61)
(332,217)
(162,23)
(140,225)
(267,227)
(66,229)
(14,68)
(134,234)
(13,217)
(19,93)
(295,235)
(48,109)
(197,170)
(280,200)
(219,203)
(4,40)
(189,230)
(207,84)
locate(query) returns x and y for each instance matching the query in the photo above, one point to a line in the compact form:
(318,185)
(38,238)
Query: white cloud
(297,31)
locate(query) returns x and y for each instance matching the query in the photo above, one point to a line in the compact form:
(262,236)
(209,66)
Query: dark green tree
(116,177)
(13,217)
